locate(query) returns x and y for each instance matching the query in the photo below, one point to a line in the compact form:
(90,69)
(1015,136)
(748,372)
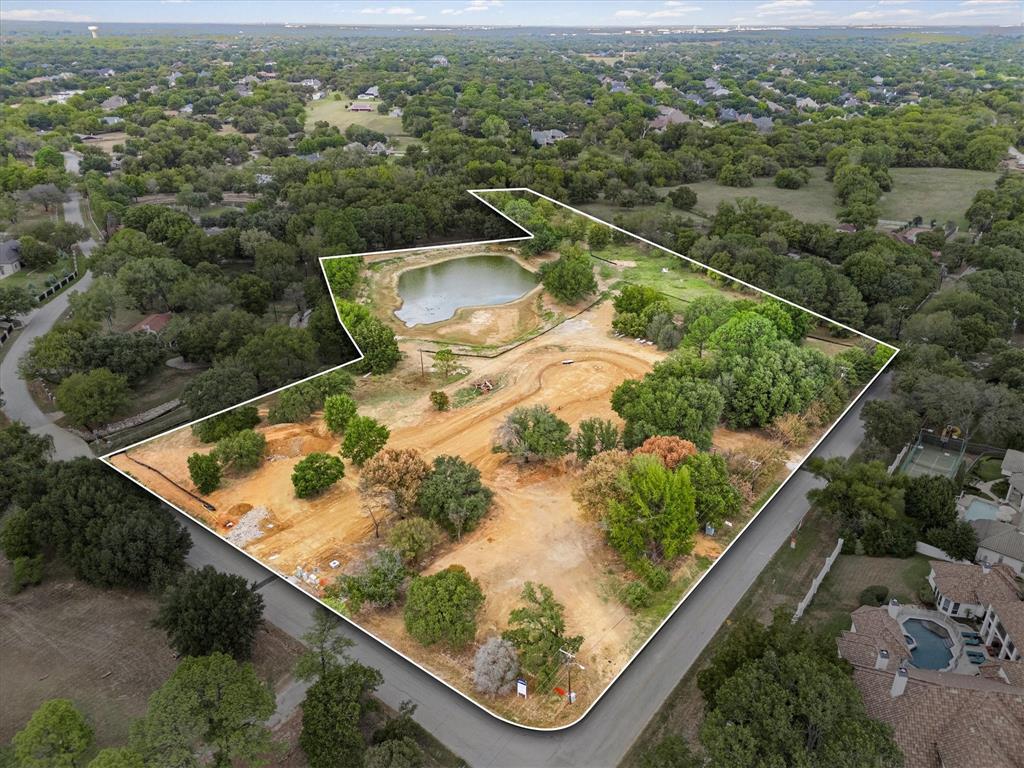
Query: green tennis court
(925,459)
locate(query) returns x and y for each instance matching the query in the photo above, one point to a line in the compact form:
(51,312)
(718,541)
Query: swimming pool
(933,644)
(979,509)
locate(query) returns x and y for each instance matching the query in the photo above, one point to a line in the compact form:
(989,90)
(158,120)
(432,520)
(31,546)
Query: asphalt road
(605,735)
(19,404)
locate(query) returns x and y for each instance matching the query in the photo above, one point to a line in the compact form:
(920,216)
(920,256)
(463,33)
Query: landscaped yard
(337,113)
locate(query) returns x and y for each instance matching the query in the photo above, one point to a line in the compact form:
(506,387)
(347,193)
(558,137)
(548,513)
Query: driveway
(19,404)
(605,735)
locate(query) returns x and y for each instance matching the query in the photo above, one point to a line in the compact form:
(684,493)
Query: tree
(571,277)
(48,157)
(602,481)
(683,198)
(98,303)
(496,667)
(931,501)
(364,437)
(252,293)
(594,436)
(117,757)
(241,452)
(533,431)
(716,500)
(414,538)
(216,428)
(672,450)
(204,469)
(56,736)
(453,496)
(959,540)
(326,647)
(279,356)
(207,611)
(673,399)
(224,385)
(598,236)
(537,630)
(394,753)
(92,398)
(794,709)
(445,362)
(377,583)
(46,195)
(147,281)
(338,412)
(657,520)
(398,473)
(14,301)
(440,401)
(36,254)
(442,608)
(331,714)
(316,473)
(211,704)
(24,455)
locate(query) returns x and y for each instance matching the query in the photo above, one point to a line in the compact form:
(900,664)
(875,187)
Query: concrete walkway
(18,402)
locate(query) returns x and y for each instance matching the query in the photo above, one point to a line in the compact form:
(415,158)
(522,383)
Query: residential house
(720,92)
(152,324)
(773,107)
(619,87)
(1003,629)
(806,103)
(311,82)
(242,91)
(1000,543)
(668,116)
(173,78)
(262,179)
(877,80)
(710,83)
(439,61)
(361,106)
(10,257)
(763,124)
(546,138)
(114,102)
(695,98)
(661,85)
(939,719)
(728,115)
(186,110)
(111,120)
(965,590)
(316,95)
(105,72)
(396,112)
(378,148)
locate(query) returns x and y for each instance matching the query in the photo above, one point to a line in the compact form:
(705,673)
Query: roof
(999,537)
(883,631)
(1011,616)
(942,719)
(152,324)
(973,584)
(1013,462)
(10,252)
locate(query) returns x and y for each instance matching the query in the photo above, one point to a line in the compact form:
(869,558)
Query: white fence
(935,553)
(817,581)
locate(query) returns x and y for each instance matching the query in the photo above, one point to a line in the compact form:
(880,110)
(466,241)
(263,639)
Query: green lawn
(666,273)
(36,279)
(812,202)
(337,113)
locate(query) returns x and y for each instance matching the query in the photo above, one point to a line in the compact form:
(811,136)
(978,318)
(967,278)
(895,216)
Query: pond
(434,293)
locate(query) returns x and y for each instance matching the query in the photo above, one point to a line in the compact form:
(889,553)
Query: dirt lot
(66,639)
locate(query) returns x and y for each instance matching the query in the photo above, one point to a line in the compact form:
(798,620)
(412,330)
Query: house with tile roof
(1003,629)
(965,590)
(1000,543)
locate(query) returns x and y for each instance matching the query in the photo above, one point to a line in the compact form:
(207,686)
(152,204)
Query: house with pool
(946,710)
(965,590)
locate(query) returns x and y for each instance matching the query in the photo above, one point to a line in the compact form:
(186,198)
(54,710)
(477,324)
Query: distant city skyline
(568,13)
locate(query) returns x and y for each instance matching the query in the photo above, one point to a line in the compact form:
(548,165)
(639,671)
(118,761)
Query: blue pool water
(979,509)
(933,644)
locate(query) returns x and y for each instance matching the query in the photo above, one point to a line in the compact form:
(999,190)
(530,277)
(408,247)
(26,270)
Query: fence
(56,287)
(935,553)
(6,329)
(802,606)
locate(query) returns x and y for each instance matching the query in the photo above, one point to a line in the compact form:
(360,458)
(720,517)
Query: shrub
(316,473)
(26,571)
(414,538)
(339,410)
(636,595)
(378,583)
(242,451)
(364,437)
(875,595)
(496,667)
(440,401)
(453,496)
(218,427)
(204,469)
(443,607)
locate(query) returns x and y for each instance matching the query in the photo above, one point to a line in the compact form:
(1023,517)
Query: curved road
(19,404)
(605,735)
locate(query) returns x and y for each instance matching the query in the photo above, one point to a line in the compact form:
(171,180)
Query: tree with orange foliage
(396,474)
(670,449)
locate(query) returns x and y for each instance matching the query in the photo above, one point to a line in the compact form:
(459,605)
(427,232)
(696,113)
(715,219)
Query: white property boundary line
(476,193)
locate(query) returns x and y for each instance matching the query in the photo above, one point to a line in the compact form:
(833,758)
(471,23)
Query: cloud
(389,10)
(475,6)
(673,9)
(42,14)
(781,6)
(871,15)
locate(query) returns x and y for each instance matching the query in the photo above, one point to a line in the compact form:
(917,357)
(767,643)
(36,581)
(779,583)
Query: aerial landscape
(446,384)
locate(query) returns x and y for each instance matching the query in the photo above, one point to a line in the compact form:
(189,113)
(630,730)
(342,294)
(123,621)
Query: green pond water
(434,293)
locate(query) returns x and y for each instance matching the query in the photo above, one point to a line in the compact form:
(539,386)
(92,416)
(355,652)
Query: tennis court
(926,459)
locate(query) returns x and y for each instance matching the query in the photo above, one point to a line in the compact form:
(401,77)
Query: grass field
(942,194)
(337,113)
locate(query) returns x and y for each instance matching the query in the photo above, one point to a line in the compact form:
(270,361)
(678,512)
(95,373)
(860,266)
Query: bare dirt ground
(66,639)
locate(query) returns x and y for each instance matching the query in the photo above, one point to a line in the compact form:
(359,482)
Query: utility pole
(570,662)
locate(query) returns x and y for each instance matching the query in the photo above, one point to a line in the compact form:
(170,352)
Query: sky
(573,13)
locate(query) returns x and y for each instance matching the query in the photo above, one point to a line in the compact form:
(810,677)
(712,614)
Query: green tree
(216,428)
(117,757)
(14,301)
(598,236)
(210,704)
(242,451)
(533,431)
(683,198)
(316,473)
(326,647)
(204,469)
(56,736)
(339,410)
(207,611)
(414,538)
(671,752)
(594,436)
(224,385)
(364,437)
(657,520)
(394,753)
(445,362)
(443,607)
(440,401)
(931,501)
(252,293)
(331,715)
(377,583)
(571,277)
(716,500)
(537,630)
(93,398)
(959,540)
(453,496)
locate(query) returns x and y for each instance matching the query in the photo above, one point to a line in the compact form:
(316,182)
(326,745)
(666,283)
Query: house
(316,95)
(695,98)
(1000,543)
(111,120)
(396,112)
(262,179)
(311,82)
(114,102)
(661,85)
(710,83)
(939,719)
(249,80)
(546,138)
(668,116)
(378,148)
(773,107)
(965,590)
(439,61)
(186,110)
(1013,463)
(360,106)
(373,92)
(105,72)
(10,257)
(720,92)
(877,80)
(1003,629)
(173,78)
(763,124)
(806,103)
(152,323)
(242,91)
(728,115)
(619,87)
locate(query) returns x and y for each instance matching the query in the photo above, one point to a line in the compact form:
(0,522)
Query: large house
(939,719)
(965,590)
(10,257)
(546,138)
(114,102)
(361,106)
(668,116)
(1000,543)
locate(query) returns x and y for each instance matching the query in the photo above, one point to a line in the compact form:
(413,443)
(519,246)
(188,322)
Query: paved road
(603,738)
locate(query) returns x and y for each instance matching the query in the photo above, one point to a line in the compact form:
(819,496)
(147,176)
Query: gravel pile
(248,527)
